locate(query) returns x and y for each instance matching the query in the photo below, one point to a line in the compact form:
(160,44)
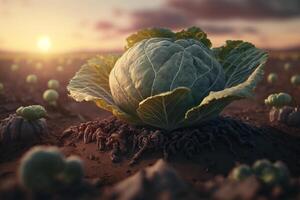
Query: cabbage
(170,80)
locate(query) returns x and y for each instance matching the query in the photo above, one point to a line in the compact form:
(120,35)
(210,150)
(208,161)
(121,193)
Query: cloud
(104,25)
(236,9)
(223,30)
(179,14)
(158,18)
(139,19)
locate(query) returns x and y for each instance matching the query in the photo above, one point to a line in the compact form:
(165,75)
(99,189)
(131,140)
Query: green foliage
(33,112)
(31,79)
(272,78)
(194,33)
(44,169)
(147,34)
(241,172)
(40,167)
(223,51)
(277,174)
(53,84)
(190,33)
(51,96)
(270,174)
(278,100)
(170,81)
(260,165)
(295,80)
(73,172)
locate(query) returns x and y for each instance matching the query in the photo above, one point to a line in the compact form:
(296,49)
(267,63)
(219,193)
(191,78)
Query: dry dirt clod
(159,181)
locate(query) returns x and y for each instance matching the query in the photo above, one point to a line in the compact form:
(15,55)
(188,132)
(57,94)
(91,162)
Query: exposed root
(123,139)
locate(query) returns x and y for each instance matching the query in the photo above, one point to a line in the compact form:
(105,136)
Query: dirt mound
(159,181)
(216,145)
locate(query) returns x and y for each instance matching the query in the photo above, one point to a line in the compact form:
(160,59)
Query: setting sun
(44,44)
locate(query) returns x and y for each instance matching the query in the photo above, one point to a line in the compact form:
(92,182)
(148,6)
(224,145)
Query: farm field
(270,140)
(150,100)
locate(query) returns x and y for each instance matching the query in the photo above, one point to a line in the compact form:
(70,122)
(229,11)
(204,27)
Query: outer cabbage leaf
(190,33)
(223,51)
(239,59)
(91,84)
(147,34)
(194,33)
(247,65)
(215,102)
(165,110)
(118,112)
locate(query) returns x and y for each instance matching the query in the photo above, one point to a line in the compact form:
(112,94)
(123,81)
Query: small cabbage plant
(280,110)
(45,168)
(27,125)
(73,172)
(33,112)
(278,100)
(53,84)
(170,80)
(272,78)
(40,167)
(295,80)
(51,96)
(270,174)
(240,172)
(31,79)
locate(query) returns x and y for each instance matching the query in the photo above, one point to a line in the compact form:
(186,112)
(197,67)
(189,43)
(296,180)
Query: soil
(260,138)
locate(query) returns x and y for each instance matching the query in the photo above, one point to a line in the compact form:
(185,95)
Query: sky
(92,25)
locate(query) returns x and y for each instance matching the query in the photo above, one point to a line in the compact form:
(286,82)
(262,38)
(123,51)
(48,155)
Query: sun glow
(44,44)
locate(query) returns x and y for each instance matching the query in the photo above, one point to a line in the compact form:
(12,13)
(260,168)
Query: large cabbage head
(170,80)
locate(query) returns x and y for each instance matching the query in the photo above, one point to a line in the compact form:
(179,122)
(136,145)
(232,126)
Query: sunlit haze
(44,44)
(100,25)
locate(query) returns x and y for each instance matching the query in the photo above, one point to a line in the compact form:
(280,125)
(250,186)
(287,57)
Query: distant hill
(71,52)
(94,52)
(289,49)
